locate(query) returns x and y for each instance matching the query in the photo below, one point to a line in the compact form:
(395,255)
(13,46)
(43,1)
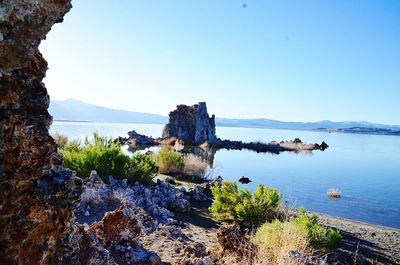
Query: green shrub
(100,154)
(232,204)
(106,157)
(318,235)
(169,162)
(141,168)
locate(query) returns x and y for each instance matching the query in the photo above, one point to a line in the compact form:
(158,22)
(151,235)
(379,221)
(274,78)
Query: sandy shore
(377,243)
(373,242)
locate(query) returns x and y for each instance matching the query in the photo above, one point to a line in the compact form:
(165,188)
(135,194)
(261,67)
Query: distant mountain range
(75,110)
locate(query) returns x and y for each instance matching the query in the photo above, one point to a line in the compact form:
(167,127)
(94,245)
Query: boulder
(180,205)
(117,227)
(139,139)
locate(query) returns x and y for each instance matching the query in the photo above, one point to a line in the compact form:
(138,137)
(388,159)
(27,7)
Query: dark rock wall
(191,124)
(36,194)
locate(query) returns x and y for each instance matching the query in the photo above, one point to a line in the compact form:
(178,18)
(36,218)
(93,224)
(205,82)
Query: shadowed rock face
(191,124)
(36,193)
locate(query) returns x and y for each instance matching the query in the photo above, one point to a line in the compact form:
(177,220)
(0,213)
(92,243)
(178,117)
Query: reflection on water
(365,168)
(195,166)
(199,162)
(205,154)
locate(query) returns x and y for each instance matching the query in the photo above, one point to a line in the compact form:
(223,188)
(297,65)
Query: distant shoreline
(366,131)
(75,121)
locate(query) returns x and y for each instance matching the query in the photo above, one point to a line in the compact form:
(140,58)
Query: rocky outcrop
(272,147)
(233,239)
(140,139)
(36,194)
(191,124)
(158,201)
(117,227)
(136,140)
(119,232)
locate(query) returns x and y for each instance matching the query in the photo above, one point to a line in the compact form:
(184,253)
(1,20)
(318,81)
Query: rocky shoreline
(50,216)
(171,224)
(191,126)
(140,141)
(374,242)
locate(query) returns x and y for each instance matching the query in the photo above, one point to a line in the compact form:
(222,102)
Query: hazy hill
(75,110)
(320,125)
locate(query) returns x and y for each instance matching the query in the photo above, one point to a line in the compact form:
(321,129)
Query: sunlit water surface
(366,168)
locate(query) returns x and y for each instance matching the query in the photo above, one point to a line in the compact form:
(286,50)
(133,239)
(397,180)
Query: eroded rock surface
(191,124)
(36,194)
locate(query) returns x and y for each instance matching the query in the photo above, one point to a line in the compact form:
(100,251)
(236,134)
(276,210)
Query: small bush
(232,204)
(169,162)
(318,235)
(141,168)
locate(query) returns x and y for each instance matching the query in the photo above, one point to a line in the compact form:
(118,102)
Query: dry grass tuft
(281,243)
(60,139)
(278,240)
(334,194)
(194,166)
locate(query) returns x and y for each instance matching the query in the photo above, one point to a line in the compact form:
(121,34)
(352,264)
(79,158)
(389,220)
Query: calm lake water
(366,168)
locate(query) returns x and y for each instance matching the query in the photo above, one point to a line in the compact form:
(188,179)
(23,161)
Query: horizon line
(259,118)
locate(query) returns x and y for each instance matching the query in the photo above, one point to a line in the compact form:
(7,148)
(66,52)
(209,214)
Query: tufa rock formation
(191,124)
(36,193)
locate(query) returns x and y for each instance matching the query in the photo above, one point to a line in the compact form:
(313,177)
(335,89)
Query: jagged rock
(117,227)
(297,141)
(191,124)
(171,180)
(180,206)
(154,203)
(36,194)
(195,250)
(244,180)
(323,146)
(117,184)
(118,232)
(201,192)
(230,237)
(84,248)
(196,254)
(139,139)
(234,240)
(95,193)
(133,253)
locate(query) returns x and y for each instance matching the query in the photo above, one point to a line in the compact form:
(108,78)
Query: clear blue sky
(287,60)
